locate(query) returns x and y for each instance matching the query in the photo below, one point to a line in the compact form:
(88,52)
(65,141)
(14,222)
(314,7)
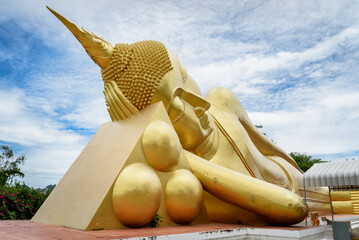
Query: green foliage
(47,188)
(305,161)
(20,202)
(9,167)
(156,220)
(17,200)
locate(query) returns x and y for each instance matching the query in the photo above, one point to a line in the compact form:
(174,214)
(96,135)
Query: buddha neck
(208,148)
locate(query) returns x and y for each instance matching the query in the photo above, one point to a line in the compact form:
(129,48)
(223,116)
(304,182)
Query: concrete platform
(21,230)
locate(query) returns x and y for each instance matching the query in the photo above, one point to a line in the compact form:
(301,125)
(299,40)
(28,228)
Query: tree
(305,161)
(48,188)
(9,167)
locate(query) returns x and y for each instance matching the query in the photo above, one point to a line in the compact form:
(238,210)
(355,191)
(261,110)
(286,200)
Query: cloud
(20,124)
(88,115)
(245,70)
(316,128)
(49,144)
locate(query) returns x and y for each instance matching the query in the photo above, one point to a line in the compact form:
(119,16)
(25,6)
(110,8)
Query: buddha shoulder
(225,100)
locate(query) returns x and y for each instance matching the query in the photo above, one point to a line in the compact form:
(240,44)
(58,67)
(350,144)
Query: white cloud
(90,114)
(245,70)
(20,124)
(341,101)
(48,145)
(326,126)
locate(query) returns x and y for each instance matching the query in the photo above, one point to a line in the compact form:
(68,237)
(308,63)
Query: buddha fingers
(111,113)
(112,104)
(114,116)
(118,106)
(129,108)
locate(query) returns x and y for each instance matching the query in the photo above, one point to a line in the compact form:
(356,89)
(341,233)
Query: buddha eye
(177,110)
(185,78)
(184,74)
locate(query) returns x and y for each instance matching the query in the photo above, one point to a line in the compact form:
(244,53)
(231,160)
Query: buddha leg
(317,199)
(321,208)
(343,202)
(345,195)
(345,207)
(340,196)
(339,207)
(276,204)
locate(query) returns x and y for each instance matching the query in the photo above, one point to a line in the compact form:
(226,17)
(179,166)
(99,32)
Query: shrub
(19,201)
(156,220)
(9,165)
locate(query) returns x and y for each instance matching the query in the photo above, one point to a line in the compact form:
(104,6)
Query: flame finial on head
(97,48)
(134,70)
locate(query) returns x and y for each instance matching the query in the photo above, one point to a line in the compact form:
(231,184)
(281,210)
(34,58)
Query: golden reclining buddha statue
(235,170)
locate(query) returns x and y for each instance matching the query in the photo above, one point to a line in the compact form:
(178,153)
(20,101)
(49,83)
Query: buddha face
(186,108)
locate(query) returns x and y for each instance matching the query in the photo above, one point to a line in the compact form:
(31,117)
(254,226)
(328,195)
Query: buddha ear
(97,48)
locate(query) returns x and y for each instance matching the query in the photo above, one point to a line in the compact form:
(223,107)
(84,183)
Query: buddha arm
(277,205)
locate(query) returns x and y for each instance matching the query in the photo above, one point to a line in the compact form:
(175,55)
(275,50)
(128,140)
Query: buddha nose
(199,111)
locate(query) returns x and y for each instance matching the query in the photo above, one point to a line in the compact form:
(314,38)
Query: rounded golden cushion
(136,195)
(184,196)
(161,146)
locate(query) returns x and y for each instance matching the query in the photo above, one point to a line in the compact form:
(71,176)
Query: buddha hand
(118,106)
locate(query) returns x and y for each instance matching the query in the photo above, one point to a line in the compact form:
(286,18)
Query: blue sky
(293,65)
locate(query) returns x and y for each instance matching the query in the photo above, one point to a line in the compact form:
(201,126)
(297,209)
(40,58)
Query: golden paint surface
(282,207)
(137,69)
(340,196)
(234,161)
(184,196)
(161,146)
(136,195)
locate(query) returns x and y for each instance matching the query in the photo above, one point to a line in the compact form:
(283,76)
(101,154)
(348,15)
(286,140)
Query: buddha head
(147,73)
(185,105)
